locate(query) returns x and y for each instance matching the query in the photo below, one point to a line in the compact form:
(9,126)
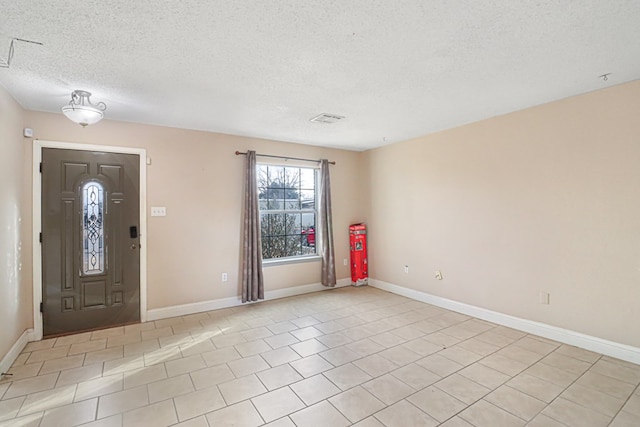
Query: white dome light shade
(80,109)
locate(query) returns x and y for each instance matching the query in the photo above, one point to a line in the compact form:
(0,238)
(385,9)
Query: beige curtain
(326,227)
(252,280)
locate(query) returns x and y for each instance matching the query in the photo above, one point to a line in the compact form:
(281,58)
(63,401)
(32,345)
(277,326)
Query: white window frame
(315,257)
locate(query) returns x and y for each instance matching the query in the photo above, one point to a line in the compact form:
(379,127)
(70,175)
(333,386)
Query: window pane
(308,199)
(93,228)
(294,246)
(307,179)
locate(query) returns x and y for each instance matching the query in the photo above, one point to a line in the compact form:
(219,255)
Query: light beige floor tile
(566,363)
(309,347)
(281,340)
(54,365)
(339,355)
(439,365)
(543,421)
(240,389)
(157,415)
(400,355)
(310,366)
(141,347)
(484,414)
(175,340)
(375,365)
(478,347)
(252,348)
(306,333)
(403,414)
(627,374)
(223,355)
(504,364)
(356,404)
(214,375)
(279,376)
(186,326)
(31,385)
(552,374)
(161,356)
(39,345)
(195,422)
(21,359)
(138,377)
(371,421)
(388,389)
(124,364)
(242,414)
(347,376)
(70,415)
(415,376)
(633,405)
(460,355)
(387,339)
(437,403)
(441,340)
(9,408)
(462,388)
(32,420)
(314,389)
(516,402)
(320,414)
(123,339)
(104,355)
(456,422)
(77,375)
(248,365)
(578,353)
(408,332)
(594,399)
(280,356)
(277,403)
(625,419)
(282,327)
(196,347)
(537,346)
(51,353)
(25,371)
(457,331)
(185,365)
(139,327)
(520,354)
(606,384)
(198,402)
(73,339)
(535,387)
(156,333)
(122,401)
(484,375)
(169,388)
(574,415)
(106,333)
(334,340)
(421,346)
(222,341)
(365,347)
(98,387)
(87,346)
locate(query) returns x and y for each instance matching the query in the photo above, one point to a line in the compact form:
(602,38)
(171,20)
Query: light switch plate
(158,211)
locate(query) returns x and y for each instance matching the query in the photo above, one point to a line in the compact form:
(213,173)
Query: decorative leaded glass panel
(93,257)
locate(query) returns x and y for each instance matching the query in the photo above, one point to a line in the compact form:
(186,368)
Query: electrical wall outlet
(544,298)
(345,261)
(158,211)
(225,277)
(438,275)
(406,269)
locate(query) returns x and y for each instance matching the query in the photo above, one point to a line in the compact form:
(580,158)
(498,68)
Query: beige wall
(198,178)
(542,200)
(15,269)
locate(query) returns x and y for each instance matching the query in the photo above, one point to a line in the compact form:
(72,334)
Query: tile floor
(349,356)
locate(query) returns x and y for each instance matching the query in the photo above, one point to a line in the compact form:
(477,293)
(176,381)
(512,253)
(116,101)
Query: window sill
(285,261)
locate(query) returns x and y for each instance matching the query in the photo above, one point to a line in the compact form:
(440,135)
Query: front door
(90,240)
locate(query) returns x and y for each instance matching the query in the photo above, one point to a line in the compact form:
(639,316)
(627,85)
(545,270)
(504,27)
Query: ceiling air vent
(326,118)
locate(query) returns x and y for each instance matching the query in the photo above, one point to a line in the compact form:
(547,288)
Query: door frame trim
(38,145)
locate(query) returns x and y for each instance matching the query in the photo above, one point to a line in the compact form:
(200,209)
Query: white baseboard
(198,307)
(598,345)
(15,350)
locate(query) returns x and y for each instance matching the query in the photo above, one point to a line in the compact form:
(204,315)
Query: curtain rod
(238,153)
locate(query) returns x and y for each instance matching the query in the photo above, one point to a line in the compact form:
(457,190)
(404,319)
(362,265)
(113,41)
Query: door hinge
(40,167)
(40,237)
(41,308)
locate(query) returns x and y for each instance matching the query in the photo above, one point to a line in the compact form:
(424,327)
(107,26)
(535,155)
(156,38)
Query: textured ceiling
(395,69)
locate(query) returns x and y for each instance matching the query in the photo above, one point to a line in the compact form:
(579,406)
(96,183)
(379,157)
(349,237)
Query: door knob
(133,246)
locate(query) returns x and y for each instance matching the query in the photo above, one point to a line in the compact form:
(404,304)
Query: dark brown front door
(90,242)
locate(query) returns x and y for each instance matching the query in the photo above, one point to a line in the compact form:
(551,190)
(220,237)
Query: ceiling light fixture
(82,111)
